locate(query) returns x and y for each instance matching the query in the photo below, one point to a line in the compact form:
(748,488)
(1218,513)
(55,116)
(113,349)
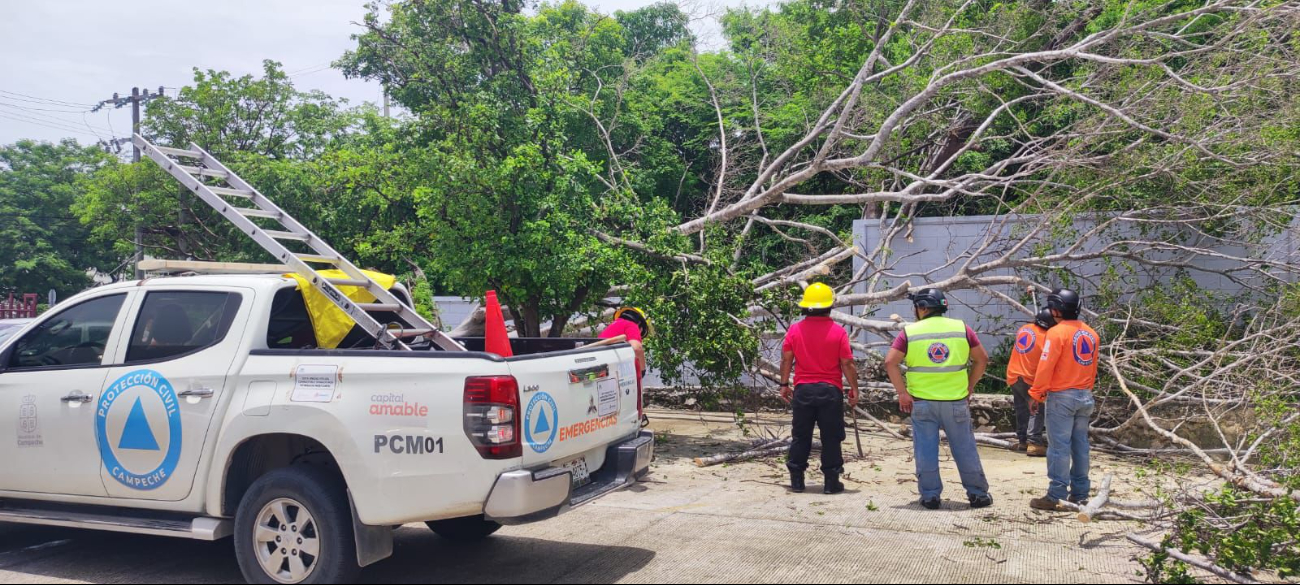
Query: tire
(464,530)
(314,504)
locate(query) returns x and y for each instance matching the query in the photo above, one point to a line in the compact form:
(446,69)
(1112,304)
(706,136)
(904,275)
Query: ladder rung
(201,172)
(348,282)
(288,236)
(227,191)
(409,333)
(167,150)
(317,259)
(255,212)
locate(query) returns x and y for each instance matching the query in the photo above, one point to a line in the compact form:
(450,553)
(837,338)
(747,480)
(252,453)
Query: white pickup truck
(198,407)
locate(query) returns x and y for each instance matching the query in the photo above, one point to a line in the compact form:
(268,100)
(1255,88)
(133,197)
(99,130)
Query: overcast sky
(60,57)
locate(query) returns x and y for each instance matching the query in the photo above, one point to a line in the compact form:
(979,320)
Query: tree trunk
(531,326)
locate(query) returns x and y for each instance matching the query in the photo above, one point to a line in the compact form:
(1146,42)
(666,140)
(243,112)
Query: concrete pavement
(724,524)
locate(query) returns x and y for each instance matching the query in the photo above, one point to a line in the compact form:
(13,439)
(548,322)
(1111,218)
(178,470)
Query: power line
(35,115)
(38,109)
(87,123)
(42,124)
(39,100)
(305,69)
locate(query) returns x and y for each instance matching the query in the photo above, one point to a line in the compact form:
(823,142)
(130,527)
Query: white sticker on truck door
(607,404)
(627,377)
(315,383)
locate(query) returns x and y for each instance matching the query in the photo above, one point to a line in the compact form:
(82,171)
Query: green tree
(518,174)
(294,146)
(42,245)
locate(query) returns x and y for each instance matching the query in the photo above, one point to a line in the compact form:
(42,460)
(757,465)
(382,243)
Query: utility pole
(134,101)
(386,102)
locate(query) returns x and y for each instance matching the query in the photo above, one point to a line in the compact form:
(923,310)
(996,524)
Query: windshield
(7,330)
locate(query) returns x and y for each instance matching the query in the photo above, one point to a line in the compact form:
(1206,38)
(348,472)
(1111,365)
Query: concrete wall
(947,243)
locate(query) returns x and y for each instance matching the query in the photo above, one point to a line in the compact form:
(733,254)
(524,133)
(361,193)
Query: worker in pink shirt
(818,350)
(633,323)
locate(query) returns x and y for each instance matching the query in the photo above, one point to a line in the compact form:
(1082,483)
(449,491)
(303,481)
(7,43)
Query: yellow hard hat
(817,296)
(649,328)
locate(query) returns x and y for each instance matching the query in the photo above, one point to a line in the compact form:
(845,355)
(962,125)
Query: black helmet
(1045,318)
(1066,301)
(930,298)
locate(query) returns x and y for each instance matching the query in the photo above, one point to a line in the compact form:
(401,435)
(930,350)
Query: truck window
(174,323)
(76,336)
(290,326)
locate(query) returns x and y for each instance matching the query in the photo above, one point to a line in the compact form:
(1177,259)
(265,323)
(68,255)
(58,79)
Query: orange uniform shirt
(1069,360)
(1026,354)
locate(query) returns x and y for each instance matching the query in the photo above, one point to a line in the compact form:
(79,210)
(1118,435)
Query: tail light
(492,416)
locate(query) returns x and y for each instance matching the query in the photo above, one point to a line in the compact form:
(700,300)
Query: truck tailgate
(575,404)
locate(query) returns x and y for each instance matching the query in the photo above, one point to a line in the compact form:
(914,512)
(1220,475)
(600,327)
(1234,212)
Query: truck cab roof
(260,282)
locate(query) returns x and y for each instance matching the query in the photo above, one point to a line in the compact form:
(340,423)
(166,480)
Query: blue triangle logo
(136,434)
(1086,347)
(542,425)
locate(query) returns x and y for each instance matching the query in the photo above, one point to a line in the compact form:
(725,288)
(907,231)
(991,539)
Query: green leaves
(42,243)
(1239,532)
(513,174)
(263,116)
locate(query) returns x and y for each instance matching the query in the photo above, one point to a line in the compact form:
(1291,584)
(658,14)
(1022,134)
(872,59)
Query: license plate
(579,472)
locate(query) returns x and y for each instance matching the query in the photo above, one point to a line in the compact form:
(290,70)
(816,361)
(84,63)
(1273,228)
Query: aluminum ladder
(228,187)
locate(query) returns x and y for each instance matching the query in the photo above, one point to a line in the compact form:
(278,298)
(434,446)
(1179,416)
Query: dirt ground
(724,524)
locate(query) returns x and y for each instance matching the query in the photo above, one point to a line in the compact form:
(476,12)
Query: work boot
(796,481)
(833,484)
(932,503)
(1046,504)
(1036,450)
(977,502)
(1080,501)
(1020,447)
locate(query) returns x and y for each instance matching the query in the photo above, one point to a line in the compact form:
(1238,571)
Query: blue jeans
(1069,414)
(954,418)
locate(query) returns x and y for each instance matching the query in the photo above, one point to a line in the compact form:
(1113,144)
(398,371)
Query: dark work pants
(1029,428)
(823,405)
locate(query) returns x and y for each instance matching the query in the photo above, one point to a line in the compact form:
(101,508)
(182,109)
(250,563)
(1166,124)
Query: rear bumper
(524,496)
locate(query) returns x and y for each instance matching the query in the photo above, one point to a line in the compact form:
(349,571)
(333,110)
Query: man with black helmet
(944,361)
(1066,376)
(1022,368)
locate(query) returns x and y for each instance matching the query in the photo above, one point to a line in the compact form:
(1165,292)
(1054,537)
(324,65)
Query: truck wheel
(469,529)
(295,526)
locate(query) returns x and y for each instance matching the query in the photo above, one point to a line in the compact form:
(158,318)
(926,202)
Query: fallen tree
(1141,141)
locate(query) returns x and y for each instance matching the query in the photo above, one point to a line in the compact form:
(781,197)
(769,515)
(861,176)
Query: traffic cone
(496,339)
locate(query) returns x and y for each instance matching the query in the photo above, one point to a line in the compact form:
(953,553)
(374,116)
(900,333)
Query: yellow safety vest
(938,355)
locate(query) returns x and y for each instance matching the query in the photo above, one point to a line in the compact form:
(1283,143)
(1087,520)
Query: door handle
(197,393)
(77,397)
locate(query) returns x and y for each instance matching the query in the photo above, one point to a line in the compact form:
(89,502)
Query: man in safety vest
(818,349)
(1025,357)
(944,361)
(1066,376)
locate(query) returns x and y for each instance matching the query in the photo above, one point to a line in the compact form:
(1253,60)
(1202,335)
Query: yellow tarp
(329,321)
